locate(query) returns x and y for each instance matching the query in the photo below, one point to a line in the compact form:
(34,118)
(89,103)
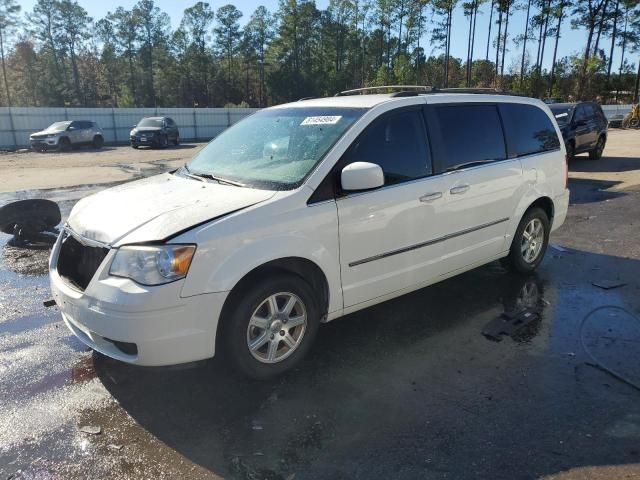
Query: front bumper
(43,143)
(149,141)
(166,328)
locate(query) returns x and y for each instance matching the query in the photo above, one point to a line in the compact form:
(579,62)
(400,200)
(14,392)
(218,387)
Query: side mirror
(70,127)
(579,123)
(361,176)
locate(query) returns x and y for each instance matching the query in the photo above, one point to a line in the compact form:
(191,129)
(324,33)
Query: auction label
(324,120)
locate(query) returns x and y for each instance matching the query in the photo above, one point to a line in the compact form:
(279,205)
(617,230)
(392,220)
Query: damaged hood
(157,207)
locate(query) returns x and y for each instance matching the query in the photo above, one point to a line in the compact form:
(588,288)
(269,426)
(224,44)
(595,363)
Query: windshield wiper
(468,164)
(208,176)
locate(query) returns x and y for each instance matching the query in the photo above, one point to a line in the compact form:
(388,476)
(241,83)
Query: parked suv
(303,213)
(68,134)
(155,132)
(583,126)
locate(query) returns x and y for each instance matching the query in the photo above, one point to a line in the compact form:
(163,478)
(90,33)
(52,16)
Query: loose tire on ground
(34,215)
(246,314)
(520,258)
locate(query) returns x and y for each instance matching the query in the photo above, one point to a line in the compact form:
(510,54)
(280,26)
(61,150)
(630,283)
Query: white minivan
(303,213)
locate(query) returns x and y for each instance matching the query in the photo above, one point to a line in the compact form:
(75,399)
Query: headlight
(133,132)
(152,265)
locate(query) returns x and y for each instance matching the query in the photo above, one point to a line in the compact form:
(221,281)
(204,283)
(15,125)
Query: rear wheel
(98,142)
(599,148)
(270,326)
(571,150)
(176,141)
(530,242)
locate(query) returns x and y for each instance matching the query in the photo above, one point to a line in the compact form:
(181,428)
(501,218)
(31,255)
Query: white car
(305,212)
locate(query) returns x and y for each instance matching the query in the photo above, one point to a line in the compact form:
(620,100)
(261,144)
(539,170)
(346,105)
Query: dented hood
(156,208)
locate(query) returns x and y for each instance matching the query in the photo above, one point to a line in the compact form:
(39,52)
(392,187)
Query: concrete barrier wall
(17,123)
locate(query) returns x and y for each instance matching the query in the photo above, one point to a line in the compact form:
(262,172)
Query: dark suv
(583,126)
(155,132)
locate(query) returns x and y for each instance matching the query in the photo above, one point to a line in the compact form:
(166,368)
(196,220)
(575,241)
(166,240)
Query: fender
(533,193)
(261,235)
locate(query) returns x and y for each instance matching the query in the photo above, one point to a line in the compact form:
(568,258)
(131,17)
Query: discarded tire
(32,216)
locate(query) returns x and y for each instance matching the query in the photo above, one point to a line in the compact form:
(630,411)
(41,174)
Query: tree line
(57,55)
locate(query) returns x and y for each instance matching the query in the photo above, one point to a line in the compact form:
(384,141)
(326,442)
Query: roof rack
(415,90)
(488,90)
(387,89)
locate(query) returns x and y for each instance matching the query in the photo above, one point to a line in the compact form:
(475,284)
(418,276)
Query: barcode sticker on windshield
(324,120)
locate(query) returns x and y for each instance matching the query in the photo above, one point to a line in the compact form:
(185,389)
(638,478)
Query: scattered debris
(508,325)
(114,446)
(608,284)
(91,429)
(49,303)
(615,375)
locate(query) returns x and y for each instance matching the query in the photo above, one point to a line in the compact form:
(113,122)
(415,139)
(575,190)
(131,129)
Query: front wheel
(64,145)
(530,242)
(597,151)
(270,326)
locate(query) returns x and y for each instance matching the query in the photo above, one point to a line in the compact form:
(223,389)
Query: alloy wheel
(277,327)
(532,240)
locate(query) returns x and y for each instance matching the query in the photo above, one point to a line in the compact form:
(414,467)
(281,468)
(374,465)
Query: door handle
(459,189)
(430,197)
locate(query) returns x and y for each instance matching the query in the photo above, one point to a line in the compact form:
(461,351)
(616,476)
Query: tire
(249,318)
(522,261)
(571,149)
(134,146)
(165,141)
(596,153)
(176,142)
(634,123)
(33,216)
(98,142)
(64,145)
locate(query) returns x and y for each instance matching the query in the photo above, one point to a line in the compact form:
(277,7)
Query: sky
(570,43)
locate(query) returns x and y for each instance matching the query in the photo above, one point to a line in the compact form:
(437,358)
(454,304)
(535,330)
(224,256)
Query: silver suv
(65,135)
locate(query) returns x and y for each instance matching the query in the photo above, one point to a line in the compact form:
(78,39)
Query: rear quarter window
(470,133)
(528,129)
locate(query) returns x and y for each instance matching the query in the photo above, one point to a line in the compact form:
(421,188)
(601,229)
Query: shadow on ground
(587,190)
(582,163)
(411,388)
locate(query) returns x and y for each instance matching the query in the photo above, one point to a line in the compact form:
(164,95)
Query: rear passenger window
(470,133)
(529,130)
(397,142)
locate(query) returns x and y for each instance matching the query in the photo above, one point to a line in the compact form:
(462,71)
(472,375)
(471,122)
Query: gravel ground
(34,170)
(407,389)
